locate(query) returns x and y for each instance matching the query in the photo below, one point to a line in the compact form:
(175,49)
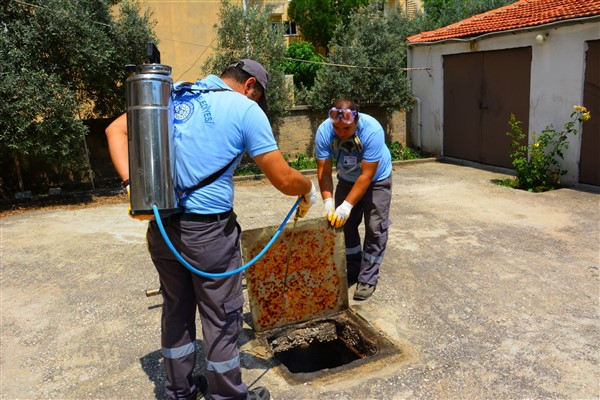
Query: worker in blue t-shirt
(215,121)
(364,190)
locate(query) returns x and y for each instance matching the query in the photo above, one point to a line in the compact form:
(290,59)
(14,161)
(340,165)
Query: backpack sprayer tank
(150,129)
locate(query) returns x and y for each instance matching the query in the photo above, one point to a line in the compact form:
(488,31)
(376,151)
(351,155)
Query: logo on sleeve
(183,111)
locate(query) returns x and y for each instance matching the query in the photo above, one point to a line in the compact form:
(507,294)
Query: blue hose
(221,274)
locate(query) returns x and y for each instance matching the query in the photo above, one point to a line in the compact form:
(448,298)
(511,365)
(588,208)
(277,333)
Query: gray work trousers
(363,261)
(207,247)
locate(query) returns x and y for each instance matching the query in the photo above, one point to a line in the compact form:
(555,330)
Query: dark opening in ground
(317,356)
(322,345)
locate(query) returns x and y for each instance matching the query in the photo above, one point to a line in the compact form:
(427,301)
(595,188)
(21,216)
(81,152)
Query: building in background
(186,33)
(535,59)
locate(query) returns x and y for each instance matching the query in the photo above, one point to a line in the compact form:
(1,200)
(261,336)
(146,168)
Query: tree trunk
(18,170)
(88,163)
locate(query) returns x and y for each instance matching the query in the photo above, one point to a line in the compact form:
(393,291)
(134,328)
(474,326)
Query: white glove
(328,208)
(341,214)
(308,200)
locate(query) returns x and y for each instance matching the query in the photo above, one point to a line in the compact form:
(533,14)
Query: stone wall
(297,133)
(295,136)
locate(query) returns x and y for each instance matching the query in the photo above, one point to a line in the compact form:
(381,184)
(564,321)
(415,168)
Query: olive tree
(367,62)
(248,34)
(318,19)
(61,63)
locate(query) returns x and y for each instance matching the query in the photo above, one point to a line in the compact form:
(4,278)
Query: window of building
(276,26)
(290,28)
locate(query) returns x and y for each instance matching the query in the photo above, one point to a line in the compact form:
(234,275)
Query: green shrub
(247,169)
(400,152)
(303,62)
(537,165)
(304,162)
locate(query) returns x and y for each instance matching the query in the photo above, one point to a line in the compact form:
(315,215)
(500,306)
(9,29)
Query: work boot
(363,291)
(259,393)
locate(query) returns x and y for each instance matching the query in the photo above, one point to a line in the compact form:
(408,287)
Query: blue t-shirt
(209,130)
(348,165)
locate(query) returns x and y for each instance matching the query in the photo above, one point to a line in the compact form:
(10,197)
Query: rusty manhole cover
(303,316)
(316,274)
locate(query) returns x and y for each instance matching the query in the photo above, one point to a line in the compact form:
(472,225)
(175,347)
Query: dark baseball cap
(262,77)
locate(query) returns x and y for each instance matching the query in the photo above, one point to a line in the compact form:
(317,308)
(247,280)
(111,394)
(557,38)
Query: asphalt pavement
(490,293)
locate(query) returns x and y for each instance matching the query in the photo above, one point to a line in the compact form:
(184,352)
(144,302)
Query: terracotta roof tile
(521,14)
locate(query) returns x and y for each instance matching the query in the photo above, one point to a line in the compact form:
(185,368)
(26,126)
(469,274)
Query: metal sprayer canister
(150,128)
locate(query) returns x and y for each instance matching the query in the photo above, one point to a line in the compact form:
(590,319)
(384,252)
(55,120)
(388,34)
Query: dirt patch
(75,201)
(71,202)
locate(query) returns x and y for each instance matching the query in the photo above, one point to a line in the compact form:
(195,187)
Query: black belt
(205,217)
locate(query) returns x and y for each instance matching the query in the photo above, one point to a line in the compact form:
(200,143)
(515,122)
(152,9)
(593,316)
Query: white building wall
(557,79)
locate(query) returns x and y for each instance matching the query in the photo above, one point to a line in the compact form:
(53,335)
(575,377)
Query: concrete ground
(490,292)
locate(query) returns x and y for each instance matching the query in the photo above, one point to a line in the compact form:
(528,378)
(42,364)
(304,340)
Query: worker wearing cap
(216,120)
(356,142)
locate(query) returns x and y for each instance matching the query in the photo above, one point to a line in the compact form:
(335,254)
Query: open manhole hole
(299,303)
(327,346)
(320,345)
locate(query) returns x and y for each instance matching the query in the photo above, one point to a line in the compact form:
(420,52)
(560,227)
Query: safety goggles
(342,114)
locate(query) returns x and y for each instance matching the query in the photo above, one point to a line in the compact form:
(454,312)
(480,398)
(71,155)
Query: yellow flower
(585,116)
(581,109)
(536,144)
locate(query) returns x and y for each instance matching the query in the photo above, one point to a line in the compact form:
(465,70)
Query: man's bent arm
(116,134)
(324,175)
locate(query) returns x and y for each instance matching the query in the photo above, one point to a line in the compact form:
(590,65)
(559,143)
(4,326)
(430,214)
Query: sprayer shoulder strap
(208,180)
(187,87)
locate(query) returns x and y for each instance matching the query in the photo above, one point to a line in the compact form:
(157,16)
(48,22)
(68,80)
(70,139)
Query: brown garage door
(481,90)
(589,161)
